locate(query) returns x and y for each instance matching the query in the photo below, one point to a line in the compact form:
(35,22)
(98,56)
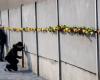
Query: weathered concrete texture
(22,74)
(47,16)
(99,27)
(14,17)
(79,50)
(34,63)
(30,62)
(76,49)
(72,73)
(77,12)
(49,69)
(29,38)
(5,4)
(4,18)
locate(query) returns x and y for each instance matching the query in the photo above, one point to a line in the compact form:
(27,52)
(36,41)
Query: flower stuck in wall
(62,28)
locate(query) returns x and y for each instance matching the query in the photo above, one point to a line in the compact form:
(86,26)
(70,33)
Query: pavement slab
(21,74)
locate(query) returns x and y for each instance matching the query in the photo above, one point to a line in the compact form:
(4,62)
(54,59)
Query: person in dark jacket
(12,57)
(3,41)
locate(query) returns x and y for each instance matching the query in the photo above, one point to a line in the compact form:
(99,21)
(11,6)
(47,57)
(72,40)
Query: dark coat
(13,53)
(12,56)
(3,37)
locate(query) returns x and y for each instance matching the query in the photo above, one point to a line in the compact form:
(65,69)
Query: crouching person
(12,57)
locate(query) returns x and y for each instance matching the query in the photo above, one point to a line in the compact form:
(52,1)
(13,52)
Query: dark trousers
(12,64)
(12,67)
(1,52)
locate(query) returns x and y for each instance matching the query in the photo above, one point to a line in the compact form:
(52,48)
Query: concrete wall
(4,17)
(73,73)
(14,18)
(48,42)
(6,4)
(78,53)
(76,49)
(29,38)
(98,25)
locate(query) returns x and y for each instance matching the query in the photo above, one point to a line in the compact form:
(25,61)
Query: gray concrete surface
(22,74)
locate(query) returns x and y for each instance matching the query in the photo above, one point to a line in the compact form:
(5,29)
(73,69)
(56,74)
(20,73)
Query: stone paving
(18,75)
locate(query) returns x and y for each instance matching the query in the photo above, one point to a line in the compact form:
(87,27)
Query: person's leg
(14,65)
(8,67)
(2,52)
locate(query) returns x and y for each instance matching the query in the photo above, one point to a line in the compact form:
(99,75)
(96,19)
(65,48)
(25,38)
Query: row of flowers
(62,28)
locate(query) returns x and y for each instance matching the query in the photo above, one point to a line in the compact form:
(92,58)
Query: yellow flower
(91,33)
(83,30)
(5,28)
(19,29)
(75,30)
(38,29)
(66,30)
(10,28)
(34,29)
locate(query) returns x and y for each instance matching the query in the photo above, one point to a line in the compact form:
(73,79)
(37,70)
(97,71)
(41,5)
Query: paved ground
(19,75)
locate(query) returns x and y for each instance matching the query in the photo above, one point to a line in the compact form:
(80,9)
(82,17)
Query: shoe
(6,69)
(1,60)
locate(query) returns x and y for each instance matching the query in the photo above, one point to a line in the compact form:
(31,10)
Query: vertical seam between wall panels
(97,26)
(37,39)
(0,18)
(8,26)
(59,47)
(22,33)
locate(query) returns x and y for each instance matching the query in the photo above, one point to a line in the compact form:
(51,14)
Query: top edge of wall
(8,4)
